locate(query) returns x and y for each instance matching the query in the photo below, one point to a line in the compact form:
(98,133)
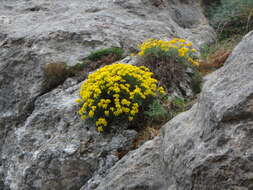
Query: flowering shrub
(169,61)
(117,92)
(179,47)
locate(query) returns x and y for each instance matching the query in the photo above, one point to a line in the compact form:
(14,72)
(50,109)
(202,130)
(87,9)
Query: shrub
(178,104)
(196,81)
(54,74)
(179,48)
(117,92)
(157,112)
(169,60)
(95,60)
(99,54)
(231,17)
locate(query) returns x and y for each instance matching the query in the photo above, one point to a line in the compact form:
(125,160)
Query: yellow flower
(100,129)
(83,117)
(195,63)
(194,50)
(91,114)
(188,44)
(106,113)
(78,100)
(114,90)
(180,45)
(182,40)
(101,121)
(130,118)
(161,90)
(126,110)
(125,102)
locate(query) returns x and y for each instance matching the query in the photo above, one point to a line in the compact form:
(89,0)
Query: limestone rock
(55,150)
(139,169)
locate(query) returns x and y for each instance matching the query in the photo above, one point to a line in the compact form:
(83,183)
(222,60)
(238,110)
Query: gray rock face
(42,142)
(209,147)
(55,150)
(139,169)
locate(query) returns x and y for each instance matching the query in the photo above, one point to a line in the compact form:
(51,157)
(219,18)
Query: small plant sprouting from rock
(157,112)
(99,54)
(177,105)
(54,74)
(117,92)
(95,60)
(213,56)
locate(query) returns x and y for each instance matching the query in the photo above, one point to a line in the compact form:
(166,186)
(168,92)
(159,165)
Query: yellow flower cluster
(183,48)
(116,90)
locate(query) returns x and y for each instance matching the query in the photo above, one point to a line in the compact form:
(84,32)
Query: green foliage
(95,60)
(178,105)
(196,81)
(213,56)
(157,112)
(231,17)
(223,45)
(206,50)
(99,54)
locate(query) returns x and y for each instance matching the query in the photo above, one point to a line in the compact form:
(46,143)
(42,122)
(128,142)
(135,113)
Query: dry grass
(214,61)
(146,134)
(54,74)
(214,56)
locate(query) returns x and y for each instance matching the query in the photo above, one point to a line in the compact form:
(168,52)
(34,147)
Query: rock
(55,150)
(139,169)
(208,147)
